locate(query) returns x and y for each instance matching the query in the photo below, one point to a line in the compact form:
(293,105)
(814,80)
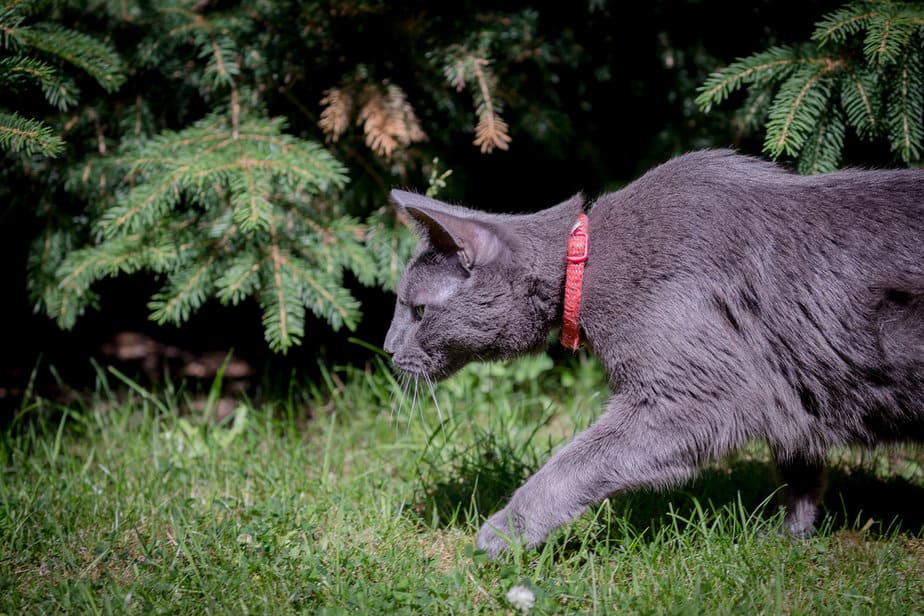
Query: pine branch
(16,70)
(251,190)
(388,120)
(12,14)
(860,98)
(97,59)
(216,47)
(879,92)
(797,108)
(230,218)
(753,112)
(240,278)
(491,131)
(887,37)
(373,117)
(221,68)
(462,68)
(67,299)
(822,150)
(772,66)
(391,245)
(836,27)
(19,134)
(47,252)
(190,161)
(326,299)
(905,109)
(342,246)
(283,308)
(187,289)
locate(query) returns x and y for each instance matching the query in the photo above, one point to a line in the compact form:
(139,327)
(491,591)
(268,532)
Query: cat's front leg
(628,447)
(535,509)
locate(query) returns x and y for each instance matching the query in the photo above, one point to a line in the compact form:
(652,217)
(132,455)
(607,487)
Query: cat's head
(466,294)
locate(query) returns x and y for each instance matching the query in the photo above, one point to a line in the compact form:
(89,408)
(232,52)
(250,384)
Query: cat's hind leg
(804,481)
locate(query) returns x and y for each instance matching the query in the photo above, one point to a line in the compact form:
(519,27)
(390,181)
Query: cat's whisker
(403,384)
(405,389)
(393,398)
(409,402)
(410,416)
(411,398)
(439,413)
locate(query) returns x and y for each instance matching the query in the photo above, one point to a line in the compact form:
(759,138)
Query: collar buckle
(577,246)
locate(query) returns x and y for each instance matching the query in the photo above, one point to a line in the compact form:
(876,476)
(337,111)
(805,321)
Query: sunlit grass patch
(330,498)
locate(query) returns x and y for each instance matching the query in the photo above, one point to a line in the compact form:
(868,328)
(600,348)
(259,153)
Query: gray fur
(728,300)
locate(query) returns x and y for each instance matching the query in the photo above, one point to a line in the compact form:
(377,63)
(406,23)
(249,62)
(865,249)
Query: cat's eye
(418,312)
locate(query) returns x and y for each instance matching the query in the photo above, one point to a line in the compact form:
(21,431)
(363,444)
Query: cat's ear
(449,230)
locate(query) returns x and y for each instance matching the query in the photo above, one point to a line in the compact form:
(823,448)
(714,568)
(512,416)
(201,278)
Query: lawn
(348,496)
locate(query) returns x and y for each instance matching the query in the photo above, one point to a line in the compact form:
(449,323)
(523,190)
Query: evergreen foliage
(228,208)
(30,136)
(224,210)
(863,69)
(32,54)
(187,170)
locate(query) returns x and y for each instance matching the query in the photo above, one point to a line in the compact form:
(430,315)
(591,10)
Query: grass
(330,501)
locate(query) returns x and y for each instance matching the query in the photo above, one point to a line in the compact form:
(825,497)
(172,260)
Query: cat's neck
(541,242)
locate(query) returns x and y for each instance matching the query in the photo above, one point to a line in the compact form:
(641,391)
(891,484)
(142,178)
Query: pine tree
(863,70)
(224,209)
(228,208)
(201,165)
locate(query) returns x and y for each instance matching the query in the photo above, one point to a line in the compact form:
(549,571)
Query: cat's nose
(389,346)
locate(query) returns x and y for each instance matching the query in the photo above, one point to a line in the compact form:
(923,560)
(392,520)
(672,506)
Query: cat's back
(719,207)
(723,186)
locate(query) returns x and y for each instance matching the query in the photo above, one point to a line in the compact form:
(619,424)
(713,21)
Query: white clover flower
(521,598)
(245,539)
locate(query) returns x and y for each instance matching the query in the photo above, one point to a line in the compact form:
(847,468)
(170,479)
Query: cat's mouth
(417,370)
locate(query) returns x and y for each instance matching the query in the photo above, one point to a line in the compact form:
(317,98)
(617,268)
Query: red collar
(578,245)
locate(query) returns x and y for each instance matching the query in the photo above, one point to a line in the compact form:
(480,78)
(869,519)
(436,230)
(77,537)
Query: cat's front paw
(504,529)
(498,534)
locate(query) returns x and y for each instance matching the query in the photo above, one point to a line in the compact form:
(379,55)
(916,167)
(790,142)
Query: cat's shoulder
(692,176)
(716,163)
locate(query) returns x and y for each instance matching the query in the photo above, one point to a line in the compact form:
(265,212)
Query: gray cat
(729,301)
